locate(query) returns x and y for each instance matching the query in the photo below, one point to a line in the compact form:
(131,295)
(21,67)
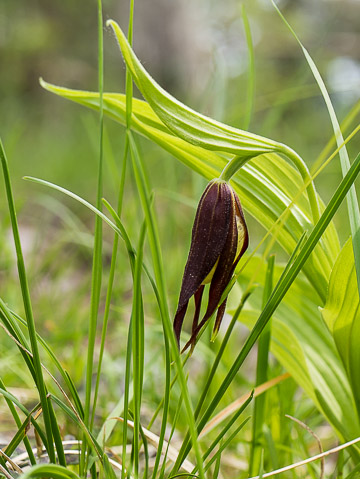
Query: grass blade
(352,202)
(27,306)
(261,376)
(97,256)
(138,346)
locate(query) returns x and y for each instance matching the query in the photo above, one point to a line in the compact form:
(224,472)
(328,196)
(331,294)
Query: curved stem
(239,161)
(305,174)
(233,166)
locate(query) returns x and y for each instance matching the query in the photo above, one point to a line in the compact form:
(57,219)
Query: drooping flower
(219,239)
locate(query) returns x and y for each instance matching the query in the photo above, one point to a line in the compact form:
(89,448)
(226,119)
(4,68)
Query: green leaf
(185,122)
(342,314)
(268,186)
(51,471)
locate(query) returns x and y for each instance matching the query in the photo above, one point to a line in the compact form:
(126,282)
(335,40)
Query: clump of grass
(190,421)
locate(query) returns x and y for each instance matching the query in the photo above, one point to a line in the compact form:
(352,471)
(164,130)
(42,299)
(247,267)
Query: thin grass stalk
(146,452)
(97,259)
(224,342)
(138,346)
(169,336)
(292,270)
(217,466)
(261,375)
(129,92)
(27,306)
(176,418)
(224,444)
(128,80)
(19,435)
(225,429)
(111,275)
(166,399)
(351,117)
(126,396)
(19,337)
(17,420)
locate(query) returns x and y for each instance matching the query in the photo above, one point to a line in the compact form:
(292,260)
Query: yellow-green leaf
(342,314)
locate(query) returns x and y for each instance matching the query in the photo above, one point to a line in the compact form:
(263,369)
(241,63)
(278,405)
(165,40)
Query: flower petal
(236,244)
(226,265)
(209,234)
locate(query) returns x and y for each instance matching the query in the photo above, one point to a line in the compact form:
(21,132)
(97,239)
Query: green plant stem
(305,174)
(261,376)
(232,167)
(111,276)
(28,308)
(238,161)
(138,346)
(126,395)
(97,256)
(224,342)
(18,424)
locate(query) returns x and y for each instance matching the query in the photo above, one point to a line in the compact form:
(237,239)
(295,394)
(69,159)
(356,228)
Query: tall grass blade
(224,444)
(17,420)
(97,256)
(227,427)
(138,346)
(261,376)
(352,202)
(125,470)
(27,306)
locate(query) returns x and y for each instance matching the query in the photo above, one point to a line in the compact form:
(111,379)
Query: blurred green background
(195,49)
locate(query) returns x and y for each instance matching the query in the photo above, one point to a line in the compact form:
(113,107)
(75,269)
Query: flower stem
(305,174)
(239,161)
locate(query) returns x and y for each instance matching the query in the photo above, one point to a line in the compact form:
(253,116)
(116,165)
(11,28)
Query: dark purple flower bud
(219,239)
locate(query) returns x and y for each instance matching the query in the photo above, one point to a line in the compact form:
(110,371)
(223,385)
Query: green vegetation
(93,383)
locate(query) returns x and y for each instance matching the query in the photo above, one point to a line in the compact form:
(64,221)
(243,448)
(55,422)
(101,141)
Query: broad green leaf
(51,471)
(304,346)
(266,185)
(342,314)
(186,123)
